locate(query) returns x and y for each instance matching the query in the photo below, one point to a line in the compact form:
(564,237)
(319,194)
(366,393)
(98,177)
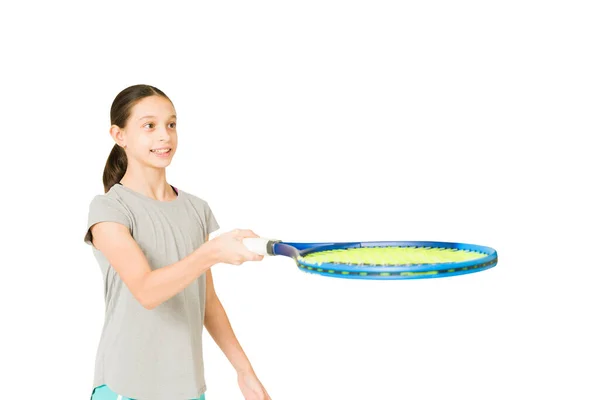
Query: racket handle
(257,245)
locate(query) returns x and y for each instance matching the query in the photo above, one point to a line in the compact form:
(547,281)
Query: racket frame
(298,251)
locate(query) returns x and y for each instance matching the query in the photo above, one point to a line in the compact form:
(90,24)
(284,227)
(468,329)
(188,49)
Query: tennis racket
(380,260)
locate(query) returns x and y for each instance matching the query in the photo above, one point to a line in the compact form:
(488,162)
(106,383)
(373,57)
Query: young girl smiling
(151,241)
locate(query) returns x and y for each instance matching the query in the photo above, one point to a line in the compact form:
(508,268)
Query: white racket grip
(257,245)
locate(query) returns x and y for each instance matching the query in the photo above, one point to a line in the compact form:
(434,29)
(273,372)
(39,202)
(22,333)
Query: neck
(149,181)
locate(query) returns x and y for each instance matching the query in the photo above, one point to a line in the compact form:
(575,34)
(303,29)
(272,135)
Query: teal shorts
(104,393)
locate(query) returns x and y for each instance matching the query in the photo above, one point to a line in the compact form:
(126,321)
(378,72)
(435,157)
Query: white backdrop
(456,121)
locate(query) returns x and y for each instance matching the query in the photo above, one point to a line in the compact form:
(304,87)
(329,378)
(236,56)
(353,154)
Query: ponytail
(115,168)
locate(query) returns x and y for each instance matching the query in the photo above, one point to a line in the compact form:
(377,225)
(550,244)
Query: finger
(248,233)
(252,256)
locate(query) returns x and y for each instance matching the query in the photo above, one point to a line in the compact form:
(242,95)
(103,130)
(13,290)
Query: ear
(118,136)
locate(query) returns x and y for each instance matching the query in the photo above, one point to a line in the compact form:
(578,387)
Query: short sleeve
(105,209)
(211,222)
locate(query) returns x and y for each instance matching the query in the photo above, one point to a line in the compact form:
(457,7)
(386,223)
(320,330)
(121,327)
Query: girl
(151,242)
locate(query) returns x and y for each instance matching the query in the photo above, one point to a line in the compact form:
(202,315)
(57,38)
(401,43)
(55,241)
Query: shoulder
(203,209)
(110,199)
(194,199)
(110,206)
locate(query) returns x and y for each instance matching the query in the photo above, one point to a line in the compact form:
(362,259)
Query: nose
(163,134)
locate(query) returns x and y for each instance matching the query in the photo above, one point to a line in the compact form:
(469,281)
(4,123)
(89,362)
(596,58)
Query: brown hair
(120,111)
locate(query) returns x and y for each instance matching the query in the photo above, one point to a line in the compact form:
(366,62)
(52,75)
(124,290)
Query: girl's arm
(150,288)
(217,324)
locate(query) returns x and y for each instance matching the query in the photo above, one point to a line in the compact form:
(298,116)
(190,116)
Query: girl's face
(150,135)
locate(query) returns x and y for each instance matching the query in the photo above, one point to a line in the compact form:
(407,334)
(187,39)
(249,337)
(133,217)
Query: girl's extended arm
(150,287)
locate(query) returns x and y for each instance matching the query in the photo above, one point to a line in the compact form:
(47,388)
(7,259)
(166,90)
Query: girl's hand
(251,387)
(231,250)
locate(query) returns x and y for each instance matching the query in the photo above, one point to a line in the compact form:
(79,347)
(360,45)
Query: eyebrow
(152,116)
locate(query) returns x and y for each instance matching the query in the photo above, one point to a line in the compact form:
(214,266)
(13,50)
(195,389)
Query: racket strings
(392,255)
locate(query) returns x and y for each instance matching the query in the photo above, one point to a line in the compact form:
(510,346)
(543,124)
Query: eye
(150,123)
(172,125)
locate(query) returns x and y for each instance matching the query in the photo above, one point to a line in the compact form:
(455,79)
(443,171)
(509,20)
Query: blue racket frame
(297,251)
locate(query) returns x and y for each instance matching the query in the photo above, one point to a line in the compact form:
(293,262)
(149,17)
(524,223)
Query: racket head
(389,260)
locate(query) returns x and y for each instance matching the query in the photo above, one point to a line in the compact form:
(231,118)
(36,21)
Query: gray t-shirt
(152,354)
